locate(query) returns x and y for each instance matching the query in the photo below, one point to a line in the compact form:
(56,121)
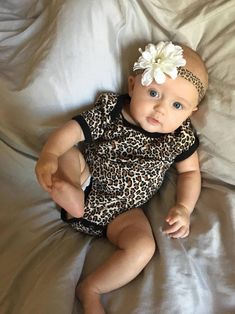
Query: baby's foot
(90,300)
(69,197)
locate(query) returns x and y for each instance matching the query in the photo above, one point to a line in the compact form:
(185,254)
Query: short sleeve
(93,121)
(187,153)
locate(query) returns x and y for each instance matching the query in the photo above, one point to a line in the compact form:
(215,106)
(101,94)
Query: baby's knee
(145,247)
(149,246)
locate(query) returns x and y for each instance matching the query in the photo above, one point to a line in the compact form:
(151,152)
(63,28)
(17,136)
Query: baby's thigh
(132,230)
(72,166)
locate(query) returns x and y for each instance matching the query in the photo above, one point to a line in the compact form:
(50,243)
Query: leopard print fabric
(189,76)
(127,164)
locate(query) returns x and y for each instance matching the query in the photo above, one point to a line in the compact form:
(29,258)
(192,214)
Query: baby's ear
(195,108)
(131,84)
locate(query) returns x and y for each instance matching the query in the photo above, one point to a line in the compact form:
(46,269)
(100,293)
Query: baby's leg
(67,182)
(132,234)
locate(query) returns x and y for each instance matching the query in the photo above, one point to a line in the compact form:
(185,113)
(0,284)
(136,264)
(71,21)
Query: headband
(165,58)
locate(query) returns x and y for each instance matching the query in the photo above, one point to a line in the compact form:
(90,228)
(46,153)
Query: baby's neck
(126,114)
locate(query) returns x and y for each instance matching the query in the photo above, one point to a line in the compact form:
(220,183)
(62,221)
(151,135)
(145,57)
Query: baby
(130,141)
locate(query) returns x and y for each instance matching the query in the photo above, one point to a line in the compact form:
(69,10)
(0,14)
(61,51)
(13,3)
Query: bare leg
(67,182)
(132,234)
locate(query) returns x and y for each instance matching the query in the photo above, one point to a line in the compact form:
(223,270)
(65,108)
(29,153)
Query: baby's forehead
(195,64)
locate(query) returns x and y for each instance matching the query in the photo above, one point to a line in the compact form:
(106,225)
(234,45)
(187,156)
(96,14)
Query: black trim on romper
(188,152)
(121,100)
(85,127)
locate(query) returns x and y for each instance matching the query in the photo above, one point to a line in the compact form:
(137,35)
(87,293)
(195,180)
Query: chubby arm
(63,139)
(188,191)
(59,142)
(188,182)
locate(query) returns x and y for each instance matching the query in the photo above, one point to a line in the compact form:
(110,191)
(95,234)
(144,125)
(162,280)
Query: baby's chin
(151,128)
(159,130)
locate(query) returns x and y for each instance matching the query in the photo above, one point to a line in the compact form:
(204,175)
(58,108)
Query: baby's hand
(178,220)
(46,166)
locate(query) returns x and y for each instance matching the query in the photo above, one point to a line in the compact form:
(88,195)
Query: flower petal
(147,77)
(172,73)
(159,76)
(158,60)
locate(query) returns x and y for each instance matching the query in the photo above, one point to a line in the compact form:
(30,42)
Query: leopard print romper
(127,164)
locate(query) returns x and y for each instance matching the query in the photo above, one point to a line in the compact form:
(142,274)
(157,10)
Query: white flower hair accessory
(159,60)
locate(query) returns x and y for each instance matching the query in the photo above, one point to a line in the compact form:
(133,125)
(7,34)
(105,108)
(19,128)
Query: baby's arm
(57,144)
(188,190)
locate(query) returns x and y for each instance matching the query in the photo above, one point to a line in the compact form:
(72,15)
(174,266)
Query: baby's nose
(160,107)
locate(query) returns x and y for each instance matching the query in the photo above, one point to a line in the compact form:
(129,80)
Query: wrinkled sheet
(55,56)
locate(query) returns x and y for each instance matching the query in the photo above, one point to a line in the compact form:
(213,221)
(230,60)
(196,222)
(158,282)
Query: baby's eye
(177,105)
(154,93)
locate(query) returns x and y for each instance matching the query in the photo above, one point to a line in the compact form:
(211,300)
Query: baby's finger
(172,229)
(45,181)
(186,234)
(171,220)
(47,178)
(40,180)
(181,233)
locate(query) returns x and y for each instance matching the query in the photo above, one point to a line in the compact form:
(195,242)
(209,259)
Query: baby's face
(161,108)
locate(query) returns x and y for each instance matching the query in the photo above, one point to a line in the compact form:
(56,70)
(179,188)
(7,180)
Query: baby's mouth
(153,121)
